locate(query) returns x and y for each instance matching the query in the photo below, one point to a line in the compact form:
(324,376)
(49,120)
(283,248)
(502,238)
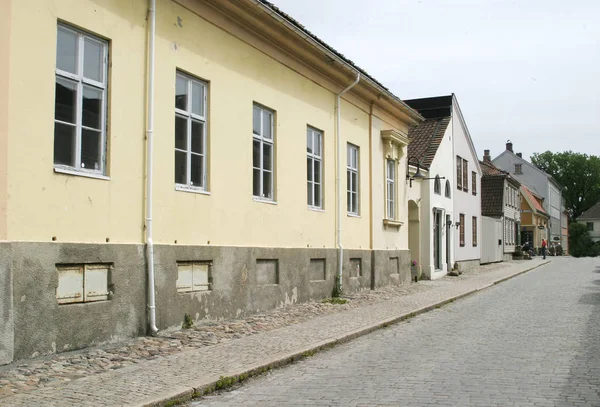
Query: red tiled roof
(425,139)
(533,198)
(490,169)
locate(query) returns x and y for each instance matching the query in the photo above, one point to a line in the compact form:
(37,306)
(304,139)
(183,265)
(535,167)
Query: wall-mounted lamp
(418,175)
(449,224)
(457,224)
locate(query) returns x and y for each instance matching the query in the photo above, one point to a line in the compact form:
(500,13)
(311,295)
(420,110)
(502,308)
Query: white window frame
(81,81)
(313,157)
(352,170)
(390,183)
(191,117)
(264,140)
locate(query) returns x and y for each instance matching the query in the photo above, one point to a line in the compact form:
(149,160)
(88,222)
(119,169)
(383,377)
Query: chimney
(486,156)
(509,146)
(520,155)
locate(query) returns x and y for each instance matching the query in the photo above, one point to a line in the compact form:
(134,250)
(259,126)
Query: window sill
(264,200)
(353,215)
(316,209)
(80,173)
(394,223)
(194,190)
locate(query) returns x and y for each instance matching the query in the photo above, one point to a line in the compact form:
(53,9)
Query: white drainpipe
(149,140)
(338,108)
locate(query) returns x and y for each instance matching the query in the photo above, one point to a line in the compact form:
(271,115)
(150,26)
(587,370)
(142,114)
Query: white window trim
(81,81)
(315,158)
(189,116)
(65,169)
(191,189)
(390,202)
(264,140)
(353,170)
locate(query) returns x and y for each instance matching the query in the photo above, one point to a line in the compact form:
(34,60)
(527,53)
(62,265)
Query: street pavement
(531,341)
(170,374)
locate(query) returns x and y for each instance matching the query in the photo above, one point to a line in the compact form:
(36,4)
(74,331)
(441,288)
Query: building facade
(538,182)
(591,218)
(457,232)
(210,171)
(534,219)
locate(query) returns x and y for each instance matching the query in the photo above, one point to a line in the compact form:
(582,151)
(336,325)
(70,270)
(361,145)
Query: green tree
(580,243)
(578,174)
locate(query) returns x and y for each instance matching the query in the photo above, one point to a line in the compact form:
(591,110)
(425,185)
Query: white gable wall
(465,202)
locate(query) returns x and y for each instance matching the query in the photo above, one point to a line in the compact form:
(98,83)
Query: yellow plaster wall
(42,203)
(73,208)
(5,25)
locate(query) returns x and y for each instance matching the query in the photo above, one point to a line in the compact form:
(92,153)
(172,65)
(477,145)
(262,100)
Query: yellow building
(191,149)
(534,219)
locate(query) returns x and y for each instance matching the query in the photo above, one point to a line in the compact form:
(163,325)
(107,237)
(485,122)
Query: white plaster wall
(466,202)
(512,211)
(442,166)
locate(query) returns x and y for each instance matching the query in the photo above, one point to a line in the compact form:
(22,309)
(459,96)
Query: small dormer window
(518,169)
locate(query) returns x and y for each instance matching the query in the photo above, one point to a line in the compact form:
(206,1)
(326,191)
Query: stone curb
(224,381)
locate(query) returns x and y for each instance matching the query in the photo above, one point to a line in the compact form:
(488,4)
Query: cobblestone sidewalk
(175,364)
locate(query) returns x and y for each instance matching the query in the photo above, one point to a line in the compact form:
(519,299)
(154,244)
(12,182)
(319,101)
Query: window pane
(267,183)
(309,141)
(92,108)
(180,133)
(348,180)
(349,156)
(65,102)
(317,143)
(317,171)
(197,137)
(180,167)
(93,60)
(349,201)
(181,93)
(354,182)
(197,170)
(91,150)
(66,51)
(267,156)
(267,124)
(354,202)
(256,120)
(256,154)
(256,182)
(309,193)
(64,144)
(197,98)
(318,195)
(309,169)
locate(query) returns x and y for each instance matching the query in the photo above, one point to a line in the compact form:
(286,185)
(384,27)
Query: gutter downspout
(340,248)
(149,141)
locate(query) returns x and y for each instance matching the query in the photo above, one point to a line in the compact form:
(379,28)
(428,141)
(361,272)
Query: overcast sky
(526,70)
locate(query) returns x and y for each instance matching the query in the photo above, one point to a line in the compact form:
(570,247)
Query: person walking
(544,248)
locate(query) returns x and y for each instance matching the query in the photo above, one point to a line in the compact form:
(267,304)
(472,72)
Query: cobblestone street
(532,341)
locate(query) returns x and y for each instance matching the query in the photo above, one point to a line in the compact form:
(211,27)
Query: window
(590,226)
(80,101)
(314,167)
(459,172)
(518,169)
(190,132)
(390,180)
(352,179)
(262,158)
(83,283)
(465,172)
(462,229)
(437,186)
(448,192)
(193,276)
(474,231)
(474,182)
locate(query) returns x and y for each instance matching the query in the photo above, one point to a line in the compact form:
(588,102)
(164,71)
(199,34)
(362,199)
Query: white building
(451,207)
(591,218)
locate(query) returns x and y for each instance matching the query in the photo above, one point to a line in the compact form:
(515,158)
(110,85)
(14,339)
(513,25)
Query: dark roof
(491,170)
(433,107)
(492,193)
(592,213)
(425,138)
